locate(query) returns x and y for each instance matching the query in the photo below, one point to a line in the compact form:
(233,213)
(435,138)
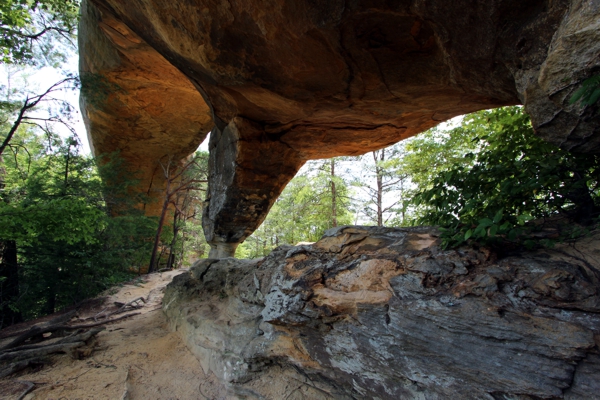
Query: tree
(32,28)
(9,283)
(510,177)
(22,111)
(330,198)
(334,195)
(180,179)
(54,208)
(31,33)
(383,182)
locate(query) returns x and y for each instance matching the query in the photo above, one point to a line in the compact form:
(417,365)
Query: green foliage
(509,178)
(303,212)
(589,92)
(432,152)
(421,160)
(71,244)
(27,23)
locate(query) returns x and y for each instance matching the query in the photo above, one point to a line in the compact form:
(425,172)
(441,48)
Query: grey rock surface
(385,313)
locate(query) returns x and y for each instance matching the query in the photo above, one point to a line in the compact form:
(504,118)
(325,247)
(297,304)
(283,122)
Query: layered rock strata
(292,80)
(386,314)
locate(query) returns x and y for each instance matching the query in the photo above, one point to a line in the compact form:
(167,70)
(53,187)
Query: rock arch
(285,81)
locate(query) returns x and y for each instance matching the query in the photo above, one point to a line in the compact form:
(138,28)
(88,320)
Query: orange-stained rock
(152,112)
(293,80)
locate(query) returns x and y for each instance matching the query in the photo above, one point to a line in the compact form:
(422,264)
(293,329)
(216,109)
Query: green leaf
(589,92)
(524,218)
(593,97)
(468,234)
(485,222)
(493,231)
(498,216)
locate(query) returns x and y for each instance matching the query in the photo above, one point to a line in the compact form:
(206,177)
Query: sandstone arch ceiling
(293,80)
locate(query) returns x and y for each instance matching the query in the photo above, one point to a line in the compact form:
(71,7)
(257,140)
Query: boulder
(369,312)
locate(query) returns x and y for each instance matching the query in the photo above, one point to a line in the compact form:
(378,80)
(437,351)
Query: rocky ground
(134,358)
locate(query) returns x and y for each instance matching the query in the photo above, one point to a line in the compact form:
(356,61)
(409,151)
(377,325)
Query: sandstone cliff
(385,313)
(151,112)
(365,312)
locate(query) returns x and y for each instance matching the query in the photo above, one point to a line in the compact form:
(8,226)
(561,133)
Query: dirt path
(136,358)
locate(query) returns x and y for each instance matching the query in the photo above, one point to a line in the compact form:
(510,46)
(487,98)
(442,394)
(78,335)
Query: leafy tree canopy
(56,211)
(26,23)
(509,177)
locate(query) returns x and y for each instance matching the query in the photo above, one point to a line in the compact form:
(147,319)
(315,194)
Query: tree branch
(29,104)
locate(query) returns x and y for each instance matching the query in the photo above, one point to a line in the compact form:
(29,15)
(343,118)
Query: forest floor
(135,358)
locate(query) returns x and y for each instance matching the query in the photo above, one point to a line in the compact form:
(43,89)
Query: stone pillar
(246,177)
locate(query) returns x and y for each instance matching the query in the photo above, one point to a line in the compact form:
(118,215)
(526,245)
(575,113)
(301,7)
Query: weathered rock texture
(385,313)
(293,80)
(138,104)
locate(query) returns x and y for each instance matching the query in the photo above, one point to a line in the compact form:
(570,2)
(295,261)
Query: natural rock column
(246,177)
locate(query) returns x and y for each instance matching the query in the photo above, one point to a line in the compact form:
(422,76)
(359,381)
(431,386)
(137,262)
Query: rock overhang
(287,81)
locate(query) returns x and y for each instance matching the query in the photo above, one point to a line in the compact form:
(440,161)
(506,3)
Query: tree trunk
(50,306)
(585,208)
(161,223)
(333,196)
(9,268)
(171,259)
(379,156)
(66,177)
(379,201)
(182,250)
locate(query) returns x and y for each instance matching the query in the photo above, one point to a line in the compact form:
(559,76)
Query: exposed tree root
(123,307)
(58,336)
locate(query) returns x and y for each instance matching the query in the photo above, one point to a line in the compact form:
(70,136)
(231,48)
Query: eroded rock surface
(385,313)
(137,103)
(292,80)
